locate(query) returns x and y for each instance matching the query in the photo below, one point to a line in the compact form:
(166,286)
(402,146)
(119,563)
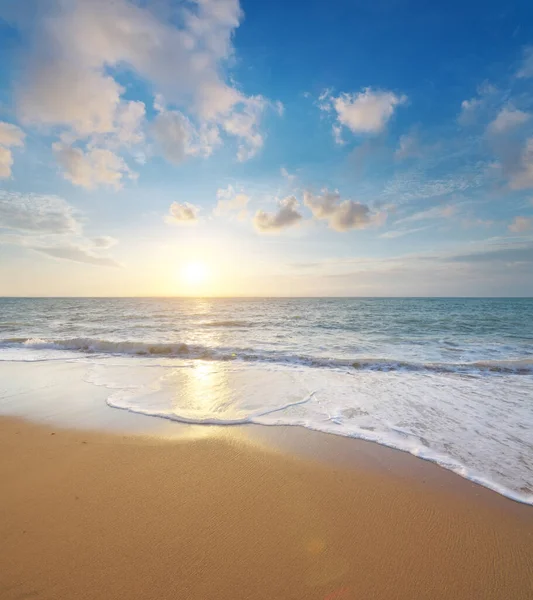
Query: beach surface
(224,514)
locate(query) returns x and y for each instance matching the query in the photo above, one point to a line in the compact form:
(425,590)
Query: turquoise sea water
(450,380)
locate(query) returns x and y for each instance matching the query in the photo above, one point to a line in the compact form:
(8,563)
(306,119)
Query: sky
(253,148)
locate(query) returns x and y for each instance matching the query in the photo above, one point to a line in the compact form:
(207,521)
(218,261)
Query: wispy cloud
(77,254)
(396,233)
(525,71)
(37,214)
(521,224)
(436,212)
(51,226)
(231,203)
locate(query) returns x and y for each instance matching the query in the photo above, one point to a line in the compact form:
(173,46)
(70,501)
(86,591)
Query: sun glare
(195,273)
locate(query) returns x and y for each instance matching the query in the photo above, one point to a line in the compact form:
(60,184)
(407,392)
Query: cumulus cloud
(10,135)
(130,121)
(68,80)
(231,202)
(37,214)
(61,92)
(286,216)
(341,215)
(367,112)
(182,214)
(177,138)
(96,166)
(521,224)
(49,225)
(507,119)
(244,125)
(172,133)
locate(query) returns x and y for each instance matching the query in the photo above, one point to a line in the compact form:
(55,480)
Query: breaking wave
(522,366)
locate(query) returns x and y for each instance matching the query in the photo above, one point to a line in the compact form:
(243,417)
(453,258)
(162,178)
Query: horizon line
(243,297)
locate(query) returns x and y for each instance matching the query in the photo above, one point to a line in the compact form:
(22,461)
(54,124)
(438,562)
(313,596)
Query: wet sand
(225,513)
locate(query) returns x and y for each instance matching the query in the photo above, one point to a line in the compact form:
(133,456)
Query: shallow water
(450,380)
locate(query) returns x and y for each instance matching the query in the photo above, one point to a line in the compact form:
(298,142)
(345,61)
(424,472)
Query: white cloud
(244,124)
(231,202)
(286,216)
(413,185)
(337,135)
(6,162)
(49,225)
(130,119)
(521,224)
(97,166)
(10,135)
(521,177)
(177,138)
(104,241)
(471,109)
(37,214)
(341,215)
(408,147)
(69,82)
(526,68)
(396,233)
(77,253)
(172,133)
(437,212)
(182,214)
(508,118)
(59,91)
(290,177)
(366,112)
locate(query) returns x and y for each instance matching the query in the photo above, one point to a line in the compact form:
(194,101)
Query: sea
(449,380)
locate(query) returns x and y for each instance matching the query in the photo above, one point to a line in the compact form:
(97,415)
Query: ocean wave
(411,412)
(523,366)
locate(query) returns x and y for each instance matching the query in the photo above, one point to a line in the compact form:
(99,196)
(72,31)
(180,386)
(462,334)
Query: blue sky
(318,148)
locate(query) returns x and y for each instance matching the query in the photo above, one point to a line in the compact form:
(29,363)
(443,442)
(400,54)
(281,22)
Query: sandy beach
(228,515)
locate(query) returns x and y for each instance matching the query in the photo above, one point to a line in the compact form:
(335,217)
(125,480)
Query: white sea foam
(461,422)
(450,380)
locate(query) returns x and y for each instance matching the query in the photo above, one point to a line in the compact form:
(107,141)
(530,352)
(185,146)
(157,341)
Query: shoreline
(247,513)
(61,393)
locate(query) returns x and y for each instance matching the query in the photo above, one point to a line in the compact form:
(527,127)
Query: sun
(195,273)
